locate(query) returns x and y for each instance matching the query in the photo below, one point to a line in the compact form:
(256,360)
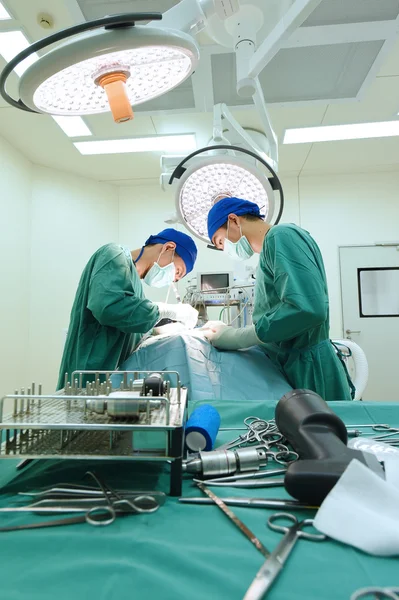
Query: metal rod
(251,475)
(271,503)
(229,513)
(250,484)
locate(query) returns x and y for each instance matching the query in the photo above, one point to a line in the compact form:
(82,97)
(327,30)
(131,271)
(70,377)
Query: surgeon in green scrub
(291,310)
(110,313)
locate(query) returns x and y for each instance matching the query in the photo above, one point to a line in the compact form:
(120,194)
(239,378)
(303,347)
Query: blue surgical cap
(219,213)
(185,246)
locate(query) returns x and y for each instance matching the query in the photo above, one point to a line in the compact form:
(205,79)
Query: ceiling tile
(353,11)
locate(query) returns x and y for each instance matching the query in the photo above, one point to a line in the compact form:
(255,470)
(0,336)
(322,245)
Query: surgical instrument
(258,431)
(226,462)
(229,513)
(255,475)
(367,425)
(48,523)
(320,438)
(253,503)
(176,291)
(99,509)
(138,415)
(250,484)
(275,563)
(376,593)
(76,491)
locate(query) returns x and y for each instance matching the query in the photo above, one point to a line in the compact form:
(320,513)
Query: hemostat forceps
(100,506)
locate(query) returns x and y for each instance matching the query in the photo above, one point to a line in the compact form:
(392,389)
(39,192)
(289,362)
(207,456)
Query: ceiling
(341,66)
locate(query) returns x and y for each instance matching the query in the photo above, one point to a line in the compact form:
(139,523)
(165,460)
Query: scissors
(376,593)
(273,565)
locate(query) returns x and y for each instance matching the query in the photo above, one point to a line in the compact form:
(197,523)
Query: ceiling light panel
(163,143)
(3,13)
(330,133)
(13,42)
(73,126)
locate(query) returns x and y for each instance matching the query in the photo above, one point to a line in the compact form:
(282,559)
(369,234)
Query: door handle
(349,331)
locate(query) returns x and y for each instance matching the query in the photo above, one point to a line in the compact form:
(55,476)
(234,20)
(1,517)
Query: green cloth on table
(182,551)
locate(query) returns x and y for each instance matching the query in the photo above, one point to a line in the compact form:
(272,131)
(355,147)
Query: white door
(370,307)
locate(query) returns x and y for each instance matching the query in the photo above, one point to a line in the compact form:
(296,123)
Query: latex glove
(183,313)
(170,329)
(228,338)
(213,329)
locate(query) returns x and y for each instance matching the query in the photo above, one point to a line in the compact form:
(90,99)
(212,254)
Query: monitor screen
(215,281)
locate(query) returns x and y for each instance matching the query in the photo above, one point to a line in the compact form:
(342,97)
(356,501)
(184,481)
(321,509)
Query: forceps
(271,568)
(259,432)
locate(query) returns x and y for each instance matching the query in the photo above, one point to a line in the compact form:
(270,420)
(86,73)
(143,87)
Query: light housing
(72,78)
(205,179)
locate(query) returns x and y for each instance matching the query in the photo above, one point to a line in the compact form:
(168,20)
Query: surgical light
(208,179)
(108,64)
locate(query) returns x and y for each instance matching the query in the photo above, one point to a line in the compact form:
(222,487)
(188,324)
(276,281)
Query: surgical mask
(240,250)
(158,277)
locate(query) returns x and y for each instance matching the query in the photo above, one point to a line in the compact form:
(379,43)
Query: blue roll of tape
(202,428)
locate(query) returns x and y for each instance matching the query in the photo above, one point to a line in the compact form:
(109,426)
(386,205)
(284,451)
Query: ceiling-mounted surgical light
(204,180)
(109,63)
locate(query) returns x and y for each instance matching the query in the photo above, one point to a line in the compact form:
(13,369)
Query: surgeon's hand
(212,331)
(228,338)
(183,313)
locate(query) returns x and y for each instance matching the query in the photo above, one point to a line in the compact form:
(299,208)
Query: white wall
(15,178)
(71,218)
(51,223)
(342,210)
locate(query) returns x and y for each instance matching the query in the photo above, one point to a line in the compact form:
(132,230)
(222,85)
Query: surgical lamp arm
(264,116)
(191,16)
(221,111)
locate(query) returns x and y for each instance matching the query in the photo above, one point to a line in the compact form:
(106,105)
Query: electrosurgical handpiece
(176,291)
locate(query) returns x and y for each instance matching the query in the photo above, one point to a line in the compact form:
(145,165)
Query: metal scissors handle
(376,593)
(271,568)
(105,515)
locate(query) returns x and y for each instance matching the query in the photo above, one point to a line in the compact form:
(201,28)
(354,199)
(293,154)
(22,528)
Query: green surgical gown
(109,316)
(291,313)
